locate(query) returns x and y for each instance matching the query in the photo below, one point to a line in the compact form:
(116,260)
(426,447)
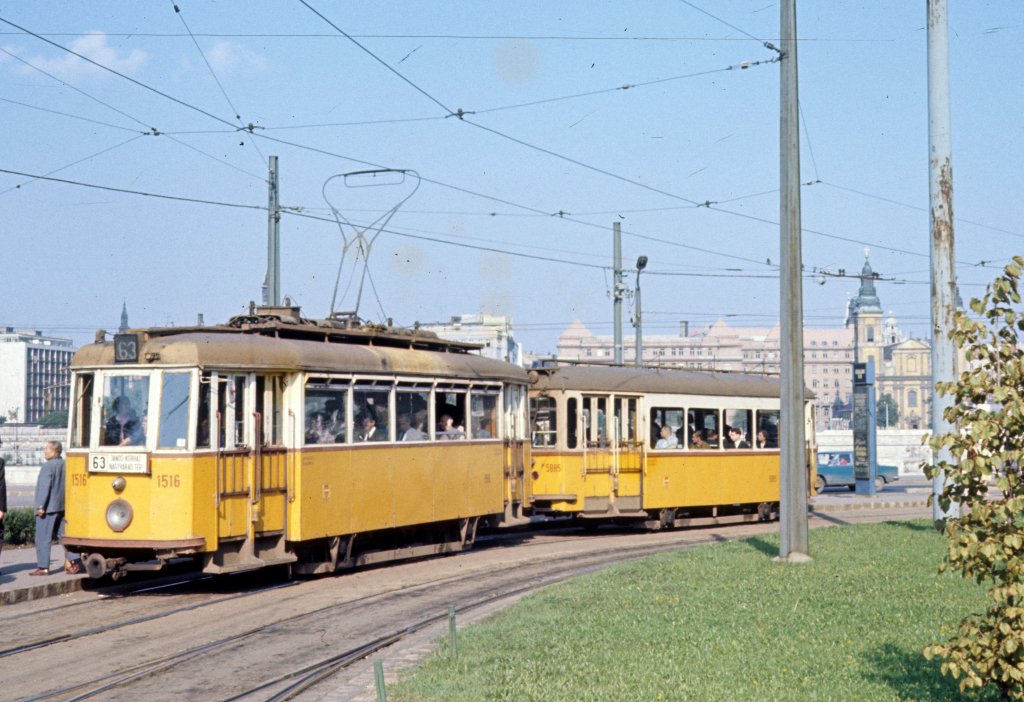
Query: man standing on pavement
(3,498)
(50,510)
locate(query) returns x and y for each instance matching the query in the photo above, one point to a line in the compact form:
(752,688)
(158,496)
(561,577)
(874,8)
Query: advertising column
(864,467)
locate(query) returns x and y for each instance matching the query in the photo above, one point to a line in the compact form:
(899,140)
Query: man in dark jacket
(50,509)
(3,499)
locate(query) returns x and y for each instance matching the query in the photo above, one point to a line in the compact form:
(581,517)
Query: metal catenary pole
(940,190)
(793,482)
(272,283)
(617,288)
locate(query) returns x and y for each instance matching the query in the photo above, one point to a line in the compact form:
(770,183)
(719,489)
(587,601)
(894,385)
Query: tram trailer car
(280,440)
(622,444)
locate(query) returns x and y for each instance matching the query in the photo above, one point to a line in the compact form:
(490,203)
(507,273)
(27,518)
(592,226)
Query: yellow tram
(279,440)
(664,447)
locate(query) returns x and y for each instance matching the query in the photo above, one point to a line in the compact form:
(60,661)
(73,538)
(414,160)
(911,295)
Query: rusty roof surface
(654,380)
(217,348)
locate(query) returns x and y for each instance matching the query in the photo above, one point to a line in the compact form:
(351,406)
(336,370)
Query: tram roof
(266,348)
(654,380)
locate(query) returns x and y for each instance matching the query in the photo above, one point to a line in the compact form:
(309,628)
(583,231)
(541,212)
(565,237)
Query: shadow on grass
(915,526)
(911,677)
(768,548)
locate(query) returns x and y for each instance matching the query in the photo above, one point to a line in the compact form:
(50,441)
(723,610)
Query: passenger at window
(370,431)
(314,427)
(482,430)
(447,431)
(697,440)
(736,439)
(762,439)
(406,430)
(123,428)
(668,439)
(334,423)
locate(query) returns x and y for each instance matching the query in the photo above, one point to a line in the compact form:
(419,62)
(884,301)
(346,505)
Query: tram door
(515,451)
(269,457)
(612,458)
(628,455)
(233,463)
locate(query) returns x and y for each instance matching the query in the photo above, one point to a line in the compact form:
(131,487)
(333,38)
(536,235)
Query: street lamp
(641,263)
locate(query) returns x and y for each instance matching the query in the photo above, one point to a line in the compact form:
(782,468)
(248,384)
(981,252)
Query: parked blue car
(835,469)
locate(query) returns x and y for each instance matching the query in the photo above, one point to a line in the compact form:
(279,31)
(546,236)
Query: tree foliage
(986,543)
(887,412)
(57,418)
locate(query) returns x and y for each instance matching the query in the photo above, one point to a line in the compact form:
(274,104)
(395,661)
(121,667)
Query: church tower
(865,313)
(124,317)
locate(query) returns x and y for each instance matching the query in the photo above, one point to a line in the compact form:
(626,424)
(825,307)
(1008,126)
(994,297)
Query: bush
(986,543)
(20,526)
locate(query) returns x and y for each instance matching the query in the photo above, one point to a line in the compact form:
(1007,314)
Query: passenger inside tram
(667,438)
(124,428)
(447,429)
(407,431)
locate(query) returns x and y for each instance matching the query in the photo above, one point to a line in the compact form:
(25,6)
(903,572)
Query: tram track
(309,655)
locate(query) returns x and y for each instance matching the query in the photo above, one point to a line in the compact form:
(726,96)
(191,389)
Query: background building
(493,332)
(902,366)
(34,377)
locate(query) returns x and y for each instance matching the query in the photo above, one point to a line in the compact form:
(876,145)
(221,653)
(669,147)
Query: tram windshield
(125,405)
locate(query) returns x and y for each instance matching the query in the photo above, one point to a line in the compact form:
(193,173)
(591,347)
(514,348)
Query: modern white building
(34,376)
(493,332)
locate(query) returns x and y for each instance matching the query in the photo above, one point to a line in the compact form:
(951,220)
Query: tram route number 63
(126,348)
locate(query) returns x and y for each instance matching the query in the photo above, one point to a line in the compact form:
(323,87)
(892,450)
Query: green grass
(724,623)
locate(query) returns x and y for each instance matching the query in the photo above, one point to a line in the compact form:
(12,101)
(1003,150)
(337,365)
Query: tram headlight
(119,515)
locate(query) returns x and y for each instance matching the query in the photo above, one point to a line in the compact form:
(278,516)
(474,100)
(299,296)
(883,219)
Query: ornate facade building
(902,365)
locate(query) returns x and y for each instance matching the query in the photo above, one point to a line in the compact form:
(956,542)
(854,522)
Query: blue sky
(550,152)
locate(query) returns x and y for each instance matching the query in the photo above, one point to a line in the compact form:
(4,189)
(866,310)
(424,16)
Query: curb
(38,592)
(849,506)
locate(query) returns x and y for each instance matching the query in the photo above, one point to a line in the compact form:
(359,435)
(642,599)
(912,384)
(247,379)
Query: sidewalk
(907,492)
(16,585)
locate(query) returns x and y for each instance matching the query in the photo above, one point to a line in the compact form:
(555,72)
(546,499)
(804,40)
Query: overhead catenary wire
(446,37)
(73,163)
(441,104)
(117,73)
(202,54)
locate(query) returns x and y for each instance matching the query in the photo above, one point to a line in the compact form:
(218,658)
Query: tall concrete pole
(617,288)
(793,479)
(272,282)
(940,190)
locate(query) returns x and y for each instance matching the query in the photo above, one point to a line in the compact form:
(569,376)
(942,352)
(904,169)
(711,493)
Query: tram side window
(203,413)
(737,428)
(483,414)
(372,408)
(450,411)
(236,397)
(667,427)
(413,413)
(124,410)
(543,421)
(571,422)
(767,429)
(222,404)
(174,396)
(269,404)
(324,416)
(703,428)
(82,408)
